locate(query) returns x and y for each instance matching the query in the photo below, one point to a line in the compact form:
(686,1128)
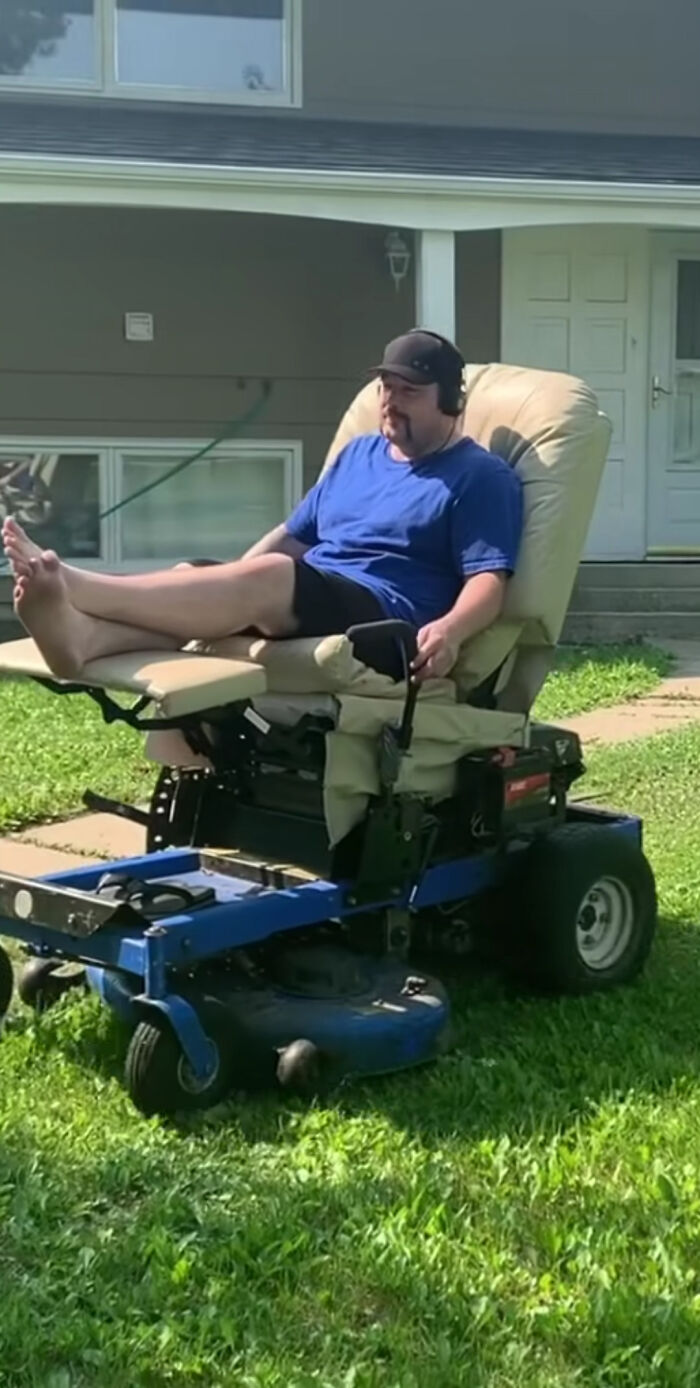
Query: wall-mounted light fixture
(398,256)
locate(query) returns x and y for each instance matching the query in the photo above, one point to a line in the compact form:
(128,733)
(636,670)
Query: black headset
(452,396)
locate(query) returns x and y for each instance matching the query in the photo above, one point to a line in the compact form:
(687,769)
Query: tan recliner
(548,427)
(545,424)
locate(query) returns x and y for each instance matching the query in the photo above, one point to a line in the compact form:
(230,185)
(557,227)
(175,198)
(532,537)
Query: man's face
(410,417)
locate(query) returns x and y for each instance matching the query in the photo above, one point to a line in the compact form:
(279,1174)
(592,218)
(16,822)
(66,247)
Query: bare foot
(42,604)
(18,547)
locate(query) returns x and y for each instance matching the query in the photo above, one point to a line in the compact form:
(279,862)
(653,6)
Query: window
(48,42)
(68,498)
(688,311)
(221,504)
(183,50)
(56,496)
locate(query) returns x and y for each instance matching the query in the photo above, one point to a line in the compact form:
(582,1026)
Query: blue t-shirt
(412,532)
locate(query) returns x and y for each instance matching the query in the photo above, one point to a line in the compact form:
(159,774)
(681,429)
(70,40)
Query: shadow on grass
(522,1063)
(527,1063)
(132,1248)
(141,1257)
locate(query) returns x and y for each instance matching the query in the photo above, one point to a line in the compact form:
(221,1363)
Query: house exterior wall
(305,304)
(589,65)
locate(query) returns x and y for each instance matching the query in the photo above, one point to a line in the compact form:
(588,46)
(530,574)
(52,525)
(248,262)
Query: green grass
(523,1214)
(55,748)
(588,677)
(61,746)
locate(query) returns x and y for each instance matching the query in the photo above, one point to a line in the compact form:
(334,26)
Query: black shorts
(327,604)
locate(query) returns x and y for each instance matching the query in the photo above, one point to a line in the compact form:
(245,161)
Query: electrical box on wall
(138,327)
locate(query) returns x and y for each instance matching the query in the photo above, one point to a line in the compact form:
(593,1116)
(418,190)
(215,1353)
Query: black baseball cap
(423,358)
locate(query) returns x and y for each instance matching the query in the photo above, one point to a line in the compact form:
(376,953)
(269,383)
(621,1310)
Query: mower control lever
(377,634)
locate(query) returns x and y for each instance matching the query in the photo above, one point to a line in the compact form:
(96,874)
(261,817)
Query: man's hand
(478,605)
(438,648)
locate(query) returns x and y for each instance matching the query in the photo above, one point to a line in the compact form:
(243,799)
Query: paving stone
(624,722)
(33,860)
(94,835)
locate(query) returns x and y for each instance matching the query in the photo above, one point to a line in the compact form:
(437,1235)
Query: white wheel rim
(604,924)
(187,1079)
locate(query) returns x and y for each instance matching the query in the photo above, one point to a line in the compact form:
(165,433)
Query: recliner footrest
(177,682)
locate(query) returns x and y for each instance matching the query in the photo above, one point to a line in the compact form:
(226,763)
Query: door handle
(657,390)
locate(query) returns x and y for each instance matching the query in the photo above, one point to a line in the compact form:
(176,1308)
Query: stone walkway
(675,701)
(94,837)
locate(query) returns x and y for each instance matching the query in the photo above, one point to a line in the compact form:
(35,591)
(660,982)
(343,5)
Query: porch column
(436,282)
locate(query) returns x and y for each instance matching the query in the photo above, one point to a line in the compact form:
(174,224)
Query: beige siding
(629,65)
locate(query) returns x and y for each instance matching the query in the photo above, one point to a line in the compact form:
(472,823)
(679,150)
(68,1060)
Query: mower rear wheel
(6,982)
(159,1077)
(590,903)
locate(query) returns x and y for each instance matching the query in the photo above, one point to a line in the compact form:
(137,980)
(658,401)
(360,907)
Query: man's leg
(174,607)
(67,638)
(186,602)
(203,603)
(73,615)
(21,551)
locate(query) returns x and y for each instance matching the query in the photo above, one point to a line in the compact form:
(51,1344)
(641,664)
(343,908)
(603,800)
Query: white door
(576,299)
(674,396)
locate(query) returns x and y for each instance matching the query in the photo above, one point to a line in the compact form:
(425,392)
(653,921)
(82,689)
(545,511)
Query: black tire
(300,1068)
(589,899)
(40,986)
(6,982)
(158,1077)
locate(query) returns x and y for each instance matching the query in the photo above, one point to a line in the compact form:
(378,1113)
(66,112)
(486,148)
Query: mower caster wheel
(6,982)
(40,985)
(160,1079)
(299,1068)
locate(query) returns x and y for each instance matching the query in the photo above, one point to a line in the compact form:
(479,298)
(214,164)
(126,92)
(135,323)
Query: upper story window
(179,50)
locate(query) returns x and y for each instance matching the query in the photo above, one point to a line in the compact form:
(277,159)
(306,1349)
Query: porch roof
(214,137)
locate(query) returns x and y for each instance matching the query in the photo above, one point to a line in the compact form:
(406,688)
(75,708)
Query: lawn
(523,1214)
(61,746)
(587,677)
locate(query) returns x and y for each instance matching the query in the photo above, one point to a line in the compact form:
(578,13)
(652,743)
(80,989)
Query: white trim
(436,282)
(107,48)
(104,82)
(294,55)
(111,450)
(108,498)
(414,201)
(666,536)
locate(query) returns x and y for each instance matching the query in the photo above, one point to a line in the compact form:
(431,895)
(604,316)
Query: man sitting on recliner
(415,522)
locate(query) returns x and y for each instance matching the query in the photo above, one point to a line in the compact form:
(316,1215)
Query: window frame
(110,452)
(105,83)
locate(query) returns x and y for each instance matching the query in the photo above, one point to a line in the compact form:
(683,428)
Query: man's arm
(479,603)
(486,530)
(277,541)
